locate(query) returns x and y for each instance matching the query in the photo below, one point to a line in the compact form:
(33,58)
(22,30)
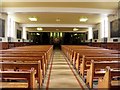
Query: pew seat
(29,75)
(18,66)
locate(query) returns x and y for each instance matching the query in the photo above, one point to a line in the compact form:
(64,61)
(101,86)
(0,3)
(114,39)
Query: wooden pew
(29,54)
(101,55)
(75,52)
(26,53)
(29,75)
(25,66)
(109,45)
(73,55)
(97,69)
(4,45)
(48,50)
(69,49)
(107,82)
(81,57)
(89,51)
(87,60)
(20,44)
(25,59)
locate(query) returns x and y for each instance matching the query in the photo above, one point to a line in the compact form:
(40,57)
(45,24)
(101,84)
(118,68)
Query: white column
(90,33)
(24,34)
(104,27)
(8,26)
(11,27)
(13,33)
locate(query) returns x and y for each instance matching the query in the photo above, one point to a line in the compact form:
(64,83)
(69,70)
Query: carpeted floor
(61,74)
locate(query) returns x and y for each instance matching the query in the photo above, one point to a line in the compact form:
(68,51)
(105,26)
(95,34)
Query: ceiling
(69,13)
(50,18)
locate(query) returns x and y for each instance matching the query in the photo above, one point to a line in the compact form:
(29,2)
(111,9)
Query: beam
(56,25)
(58,10)
(60,0)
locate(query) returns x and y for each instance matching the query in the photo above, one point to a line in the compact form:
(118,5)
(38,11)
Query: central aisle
(61,74)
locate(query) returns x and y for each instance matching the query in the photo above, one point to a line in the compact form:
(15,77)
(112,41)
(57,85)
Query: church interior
(60,44)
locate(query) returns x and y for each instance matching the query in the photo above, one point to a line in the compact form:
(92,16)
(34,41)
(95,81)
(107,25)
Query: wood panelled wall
(8,45)
(108,45)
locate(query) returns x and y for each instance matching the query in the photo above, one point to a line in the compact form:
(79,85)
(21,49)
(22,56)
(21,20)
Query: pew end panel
(106,80)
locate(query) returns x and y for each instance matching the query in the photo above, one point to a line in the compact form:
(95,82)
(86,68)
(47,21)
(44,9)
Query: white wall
(98,27)
(17,26)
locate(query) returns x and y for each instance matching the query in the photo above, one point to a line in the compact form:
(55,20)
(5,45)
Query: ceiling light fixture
(39,29)
(33,19)
(57,29)
(83,19)
(58,19)
(75,29)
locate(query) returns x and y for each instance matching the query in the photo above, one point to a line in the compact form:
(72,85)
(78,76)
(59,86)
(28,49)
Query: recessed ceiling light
(84,19)
(33,19)
(39,29)
(58,19)
(75,29)
(57,29)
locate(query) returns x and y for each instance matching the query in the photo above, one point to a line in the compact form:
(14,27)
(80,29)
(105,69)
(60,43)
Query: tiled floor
(61,75)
